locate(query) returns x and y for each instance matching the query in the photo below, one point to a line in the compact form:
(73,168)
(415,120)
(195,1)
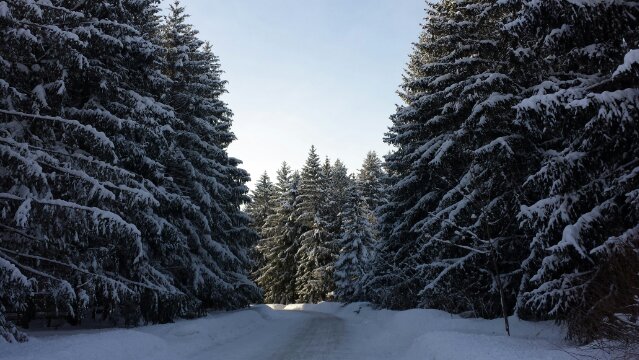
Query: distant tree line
(117,194)
(318,230)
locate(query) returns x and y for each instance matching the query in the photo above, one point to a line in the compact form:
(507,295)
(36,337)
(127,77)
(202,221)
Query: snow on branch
(97,135)
(98,216)
(630,59)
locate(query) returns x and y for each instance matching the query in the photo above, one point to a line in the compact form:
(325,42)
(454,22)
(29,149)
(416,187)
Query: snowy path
(319,338)
(285,335)
(310,332)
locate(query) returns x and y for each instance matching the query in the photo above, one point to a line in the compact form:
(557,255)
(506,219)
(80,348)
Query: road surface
(319,337)
(302,335)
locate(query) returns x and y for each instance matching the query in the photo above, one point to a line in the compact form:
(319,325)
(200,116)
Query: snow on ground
(303,331)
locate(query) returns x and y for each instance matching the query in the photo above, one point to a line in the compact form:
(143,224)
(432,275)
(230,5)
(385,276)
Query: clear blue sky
(302,72)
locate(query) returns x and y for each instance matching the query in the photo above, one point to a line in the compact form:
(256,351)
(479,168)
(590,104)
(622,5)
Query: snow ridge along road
(311,332)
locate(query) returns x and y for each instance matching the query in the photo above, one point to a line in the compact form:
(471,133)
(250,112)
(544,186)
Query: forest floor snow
(305,331)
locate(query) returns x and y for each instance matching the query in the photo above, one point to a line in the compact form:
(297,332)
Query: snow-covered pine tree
(213,228)
(237,232)
(315,256)
(327,171)
(14,290)
(15,96)
(453,240)
(80,189)
(125,105)
(356,240)
(340,182)
(582,110)
(238,235)
(280,241)
(263,200)
(337,195)
(371,181)
(92,211)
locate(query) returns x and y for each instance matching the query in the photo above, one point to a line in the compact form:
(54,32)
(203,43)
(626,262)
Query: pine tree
(279,244)
(17,96)
(581,110)
(215,231)
(315,256)
(371,181)
(262,202)
(337,197)
(93,215)
(357,238)
(14,290)
(453,240)
(328,214)
(240,237)
(81,190)
(340,182)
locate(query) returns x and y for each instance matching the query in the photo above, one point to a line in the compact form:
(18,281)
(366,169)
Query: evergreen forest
(512,186)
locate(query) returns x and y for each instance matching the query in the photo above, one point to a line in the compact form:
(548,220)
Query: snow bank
(185,339)
(323,307)
(424,334)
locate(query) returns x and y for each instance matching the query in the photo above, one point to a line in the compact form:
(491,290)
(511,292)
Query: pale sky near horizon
(308,72)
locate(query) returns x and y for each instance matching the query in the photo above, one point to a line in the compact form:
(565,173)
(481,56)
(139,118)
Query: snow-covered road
(309,332)
(284,335)
(319,338)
